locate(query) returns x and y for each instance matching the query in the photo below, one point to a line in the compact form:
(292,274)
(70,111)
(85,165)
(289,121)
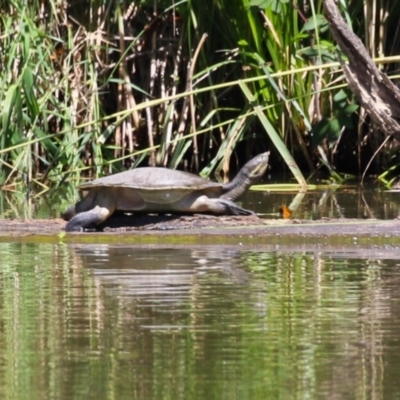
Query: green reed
(103,86)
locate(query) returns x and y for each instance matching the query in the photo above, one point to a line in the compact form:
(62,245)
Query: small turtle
(154,189)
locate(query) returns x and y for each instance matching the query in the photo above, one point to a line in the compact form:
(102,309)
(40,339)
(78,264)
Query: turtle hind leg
(69,213)
(88,219)
(85,204)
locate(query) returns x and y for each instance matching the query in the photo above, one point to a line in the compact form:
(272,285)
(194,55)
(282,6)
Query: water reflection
(107,321)
(162,276)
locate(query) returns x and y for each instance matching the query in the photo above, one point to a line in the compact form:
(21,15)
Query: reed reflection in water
(108,321)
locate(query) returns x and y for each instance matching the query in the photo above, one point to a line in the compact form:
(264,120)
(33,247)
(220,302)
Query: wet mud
(209,229)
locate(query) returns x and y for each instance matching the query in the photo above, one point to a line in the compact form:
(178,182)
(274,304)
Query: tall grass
(99,86)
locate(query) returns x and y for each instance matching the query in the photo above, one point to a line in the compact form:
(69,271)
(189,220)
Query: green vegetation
(93,87)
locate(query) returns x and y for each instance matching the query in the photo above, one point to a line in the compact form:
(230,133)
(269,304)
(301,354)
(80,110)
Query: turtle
(161,190)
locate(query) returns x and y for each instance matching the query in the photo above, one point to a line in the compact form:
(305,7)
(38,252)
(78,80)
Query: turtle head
(250,174)
(254,169)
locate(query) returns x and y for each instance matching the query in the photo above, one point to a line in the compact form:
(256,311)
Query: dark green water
(113,322)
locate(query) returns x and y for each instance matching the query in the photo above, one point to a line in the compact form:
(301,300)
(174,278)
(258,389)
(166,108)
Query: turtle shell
(155,184)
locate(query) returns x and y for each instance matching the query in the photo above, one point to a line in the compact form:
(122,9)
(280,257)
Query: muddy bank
(206,229)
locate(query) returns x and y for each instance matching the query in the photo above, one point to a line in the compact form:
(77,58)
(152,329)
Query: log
(375,91)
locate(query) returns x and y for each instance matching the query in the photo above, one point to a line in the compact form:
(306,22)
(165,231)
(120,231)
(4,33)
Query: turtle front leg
(88,219)
(233,209)
(218,206)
